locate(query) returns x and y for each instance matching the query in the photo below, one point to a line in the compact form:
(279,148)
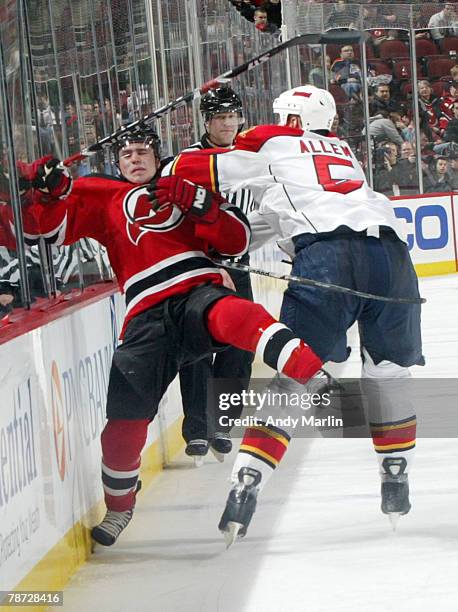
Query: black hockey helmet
(145,135)
(220,100)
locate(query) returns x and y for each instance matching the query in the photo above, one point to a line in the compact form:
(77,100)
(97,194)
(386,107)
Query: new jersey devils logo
(141,218)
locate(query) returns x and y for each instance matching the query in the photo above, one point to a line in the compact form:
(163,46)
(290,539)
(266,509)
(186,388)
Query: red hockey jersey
(154,255)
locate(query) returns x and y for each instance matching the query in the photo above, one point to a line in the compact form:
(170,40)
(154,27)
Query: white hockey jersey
(302,181)
(243,198)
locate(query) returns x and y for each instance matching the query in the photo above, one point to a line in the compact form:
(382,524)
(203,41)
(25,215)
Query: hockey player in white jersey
(314,200)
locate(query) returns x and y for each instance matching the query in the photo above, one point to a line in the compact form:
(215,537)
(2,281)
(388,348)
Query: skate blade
(230,535)
(218,455)
(198,461)
(394,519)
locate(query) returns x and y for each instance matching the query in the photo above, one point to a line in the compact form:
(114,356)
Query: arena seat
(450,43)
(438,88)
(379,66)
(333,51)
(339,95)
(406,90)
(402,69)
(393,48)
(439,67)
(425,47)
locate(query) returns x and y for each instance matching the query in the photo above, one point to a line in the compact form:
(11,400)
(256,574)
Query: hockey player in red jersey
(315,202)
(177,308)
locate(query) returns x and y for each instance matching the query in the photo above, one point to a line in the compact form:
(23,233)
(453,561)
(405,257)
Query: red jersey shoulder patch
(253,138)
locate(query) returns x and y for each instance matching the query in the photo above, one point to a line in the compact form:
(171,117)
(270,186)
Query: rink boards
(431,223)
(54,381)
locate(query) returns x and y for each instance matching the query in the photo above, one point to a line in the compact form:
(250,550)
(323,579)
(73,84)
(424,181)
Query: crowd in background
(391,106)
(390,89)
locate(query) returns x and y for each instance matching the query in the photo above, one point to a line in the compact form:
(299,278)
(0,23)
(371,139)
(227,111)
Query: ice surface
(318,541)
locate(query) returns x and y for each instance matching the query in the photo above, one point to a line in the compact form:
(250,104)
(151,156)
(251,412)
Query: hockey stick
(314,283)
(303,39)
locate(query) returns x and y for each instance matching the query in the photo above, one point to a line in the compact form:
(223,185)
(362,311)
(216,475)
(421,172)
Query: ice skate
(240,505)
(197,449)
(395,489)
(220,445)
(108,531)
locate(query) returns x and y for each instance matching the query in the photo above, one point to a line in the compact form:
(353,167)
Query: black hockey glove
(53,179)
(195,201)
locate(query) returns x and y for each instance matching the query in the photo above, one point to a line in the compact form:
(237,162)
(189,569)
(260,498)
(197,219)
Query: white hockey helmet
(316,107)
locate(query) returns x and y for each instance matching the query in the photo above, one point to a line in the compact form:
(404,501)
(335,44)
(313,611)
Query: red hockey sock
(302,363)
(394,438)
(233,320)
(262,448)
(122,443)
(247,325)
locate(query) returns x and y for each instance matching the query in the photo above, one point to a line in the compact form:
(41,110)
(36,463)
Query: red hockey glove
(53,179)
(201,205)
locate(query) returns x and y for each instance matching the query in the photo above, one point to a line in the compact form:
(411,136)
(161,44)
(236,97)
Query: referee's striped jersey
(64,259)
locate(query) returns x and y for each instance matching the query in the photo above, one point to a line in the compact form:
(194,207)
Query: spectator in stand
(436,177)
(342,16)
(454,73)
(426,150)
(382,127)
(316,76)
(408,127)
(447,103)
(245,7)
(273,10)
(407,170)
(451,133)
(444,23)
(98,121)
(109,115)
(453,171)
(346,72)
(70,119)
(380,36)
(429,108)
(352,123)
(386,178)
(46,116)
(47,125)
(261,23)
(377,19)
(336,127)
(449,146)
(382,100)
(420,19)
(407,152)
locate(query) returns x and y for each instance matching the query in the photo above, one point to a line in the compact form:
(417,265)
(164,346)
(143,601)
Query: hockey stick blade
(303,39)
(314,283)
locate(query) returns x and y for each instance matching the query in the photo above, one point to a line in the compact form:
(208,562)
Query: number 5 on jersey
(323,165)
